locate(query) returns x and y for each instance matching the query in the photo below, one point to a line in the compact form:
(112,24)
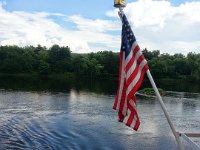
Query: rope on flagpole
(121,10)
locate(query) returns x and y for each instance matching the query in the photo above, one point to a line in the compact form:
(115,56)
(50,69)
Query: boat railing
(188,136)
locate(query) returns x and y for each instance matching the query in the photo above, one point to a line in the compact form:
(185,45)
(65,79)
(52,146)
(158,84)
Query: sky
(171,26)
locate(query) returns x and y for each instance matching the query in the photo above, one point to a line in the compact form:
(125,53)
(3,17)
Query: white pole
(180,145)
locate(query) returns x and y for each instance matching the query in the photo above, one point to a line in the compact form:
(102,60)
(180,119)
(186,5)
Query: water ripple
(77,122)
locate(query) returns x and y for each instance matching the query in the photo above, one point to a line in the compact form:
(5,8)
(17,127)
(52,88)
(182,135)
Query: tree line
(59,59)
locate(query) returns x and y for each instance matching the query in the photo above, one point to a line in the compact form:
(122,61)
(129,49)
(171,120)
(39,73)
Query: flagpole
(121,4)
(180,145)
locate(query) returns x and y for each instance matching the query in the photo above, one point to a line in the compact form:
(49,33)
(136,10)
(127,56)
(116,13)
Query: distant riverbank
(99,84)
(57,83)
(56,60)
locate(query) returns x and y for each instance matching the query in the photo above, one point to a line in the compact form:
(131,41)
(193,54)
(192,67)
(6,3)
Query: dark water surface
(81,118)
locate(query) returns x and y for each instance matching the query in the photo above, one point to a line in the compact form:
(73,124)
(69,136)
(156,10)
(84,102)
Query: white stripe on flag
(132,103)
(126,118)
(134,82)
(121,82)
(130,55)
(134,121)
(130,71)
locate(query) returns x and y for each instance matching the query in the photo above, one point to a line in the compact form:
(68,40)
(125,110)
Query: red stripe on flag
(137,85)
(137,124)
(135,72)
(132,76)
(136,49)
(122,104)
(133,116)
(119,81)
(120,100)
(130,63)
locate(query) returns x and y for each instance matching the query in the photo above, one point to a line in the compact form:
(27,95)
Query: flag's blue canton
(128,37)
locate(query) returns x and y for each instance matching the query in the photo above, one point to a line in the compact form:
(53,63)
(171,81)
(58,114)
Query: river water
(82,119)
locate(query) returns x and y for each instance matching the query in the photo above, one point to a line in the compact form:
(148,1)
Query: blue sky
(85,26)
(89,8)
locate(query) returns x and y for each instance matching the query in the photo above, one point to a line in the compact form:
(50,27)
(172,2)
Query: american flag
(132,68)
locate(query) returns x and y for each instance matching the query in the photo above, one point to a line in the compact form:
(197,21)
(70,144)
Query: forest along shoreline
(60,64)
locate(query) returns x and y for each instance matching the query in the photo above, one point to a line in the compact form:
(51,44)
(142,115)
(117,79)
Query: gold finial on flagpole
(119,3)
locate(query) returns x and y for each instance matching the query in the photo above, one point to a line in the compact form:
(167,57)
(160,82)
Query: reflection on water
(182,94)
(101,86)
(85,120)
(39,113)
(179,85)
(105,86)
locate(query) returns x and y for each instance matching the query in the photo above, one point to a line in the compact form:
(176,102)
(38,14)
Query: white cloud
(157,25)
(23,28)
(95,32)
(96,25)
(160,25)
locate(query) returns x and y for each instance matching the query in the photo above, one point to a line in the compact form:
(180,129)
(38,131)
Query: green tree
(181,66)
(193,61)
(109,61)
(60,59)
(150,55)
